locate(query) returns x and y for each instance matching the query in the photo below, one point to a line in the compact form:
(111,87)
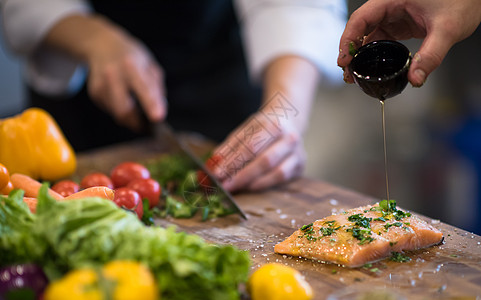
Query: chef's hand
(260,153)
(267,149)
(441,23)
(120,68)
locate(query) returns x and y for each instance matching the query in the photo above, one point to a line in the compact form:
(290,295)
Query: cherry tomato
(66,187)
(213,161)
(7,189)
(125,172)
(202,178)
(4,176)
(129,199)
(147,188)
(96,179)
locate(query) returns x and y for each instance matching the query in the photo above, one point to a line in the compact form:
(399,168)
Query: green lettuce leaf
(93,231)
(17,244)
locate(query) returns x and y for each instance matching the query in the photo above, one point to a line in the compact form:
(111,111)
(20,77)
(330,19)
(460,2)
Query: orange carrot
(30,186)
(31,202)
(96,191)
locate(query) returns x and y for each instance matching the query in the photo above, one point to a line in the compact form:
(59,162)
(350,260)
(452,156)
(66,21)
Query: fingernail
(417,57)
(420,76)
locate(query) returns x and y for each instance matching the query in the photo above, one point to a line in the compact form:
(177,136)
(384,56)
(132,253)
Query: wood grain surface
(451,270)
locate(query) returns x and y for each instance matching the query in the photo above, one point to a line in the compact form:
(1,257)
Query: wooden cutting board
(451,270)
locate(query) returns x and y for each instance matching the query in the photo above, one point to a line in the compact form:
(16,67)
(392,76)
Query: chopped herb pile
(184,196)
(397,224)
(399,257)
(326,231)
(388,207)
(362,234)
(361,229)
(308,231)
(330,229)
(360,221)
(307,227)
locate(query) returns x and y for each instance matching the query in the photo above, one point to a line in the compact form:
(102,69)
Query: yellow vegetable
(117,280)
(134,281)
(274,281)
(32,144)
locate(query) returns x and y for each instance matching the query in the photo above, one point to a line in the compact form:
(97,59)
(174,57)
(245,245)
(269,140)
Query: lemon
(274,281)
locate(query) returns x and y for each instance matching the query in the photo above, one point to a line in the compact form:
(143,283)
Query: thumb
(430,55)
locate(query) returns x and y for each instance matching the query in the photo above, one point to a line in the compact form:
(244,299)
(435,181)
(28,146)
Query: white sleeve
(25,24)
(308,28)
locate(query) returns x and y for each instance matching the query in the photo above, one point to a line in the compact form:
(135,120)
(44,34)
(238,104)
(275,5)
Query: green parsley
(363,235)
(308,232)
(361,229)
(360,221)
(399,214)
(325,231)
(389,207)
(397,224)
(399,257)
(306,227)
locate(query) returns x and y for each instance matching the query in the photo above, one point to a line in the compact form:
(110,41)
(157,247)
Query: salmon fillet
(361,235)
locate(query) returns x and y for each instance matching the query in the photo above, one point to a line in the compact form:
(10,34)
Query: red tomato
(203,180)
(96,179)
(147,188)
(213,161)
(210,164)
(7,189)
(129,199)
(4,176)
(125,172)
(66,187)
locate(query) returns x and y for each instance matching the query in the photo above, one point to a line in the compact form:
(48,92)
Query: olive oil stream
(384,144)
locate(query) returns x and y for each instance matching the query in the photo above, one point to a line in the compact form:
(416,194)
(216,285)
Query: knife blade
(164,130)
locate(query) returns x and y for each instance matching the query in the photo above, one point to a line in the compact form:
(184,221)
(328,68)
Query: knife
(164,130)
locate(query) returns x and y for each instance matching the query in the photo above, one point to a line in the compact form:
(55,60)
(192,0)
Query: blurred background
(433,136)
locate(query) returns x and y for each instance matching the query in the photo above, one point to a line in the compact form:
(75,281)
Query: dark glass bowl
(380,68)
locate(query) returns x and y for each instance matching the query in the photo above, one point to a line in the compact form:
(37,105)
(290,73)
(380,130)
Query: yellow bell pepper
(117,280)
(33,144)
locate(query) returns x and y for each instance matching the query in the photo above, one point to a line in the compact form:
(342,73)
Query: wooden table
(448,271)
